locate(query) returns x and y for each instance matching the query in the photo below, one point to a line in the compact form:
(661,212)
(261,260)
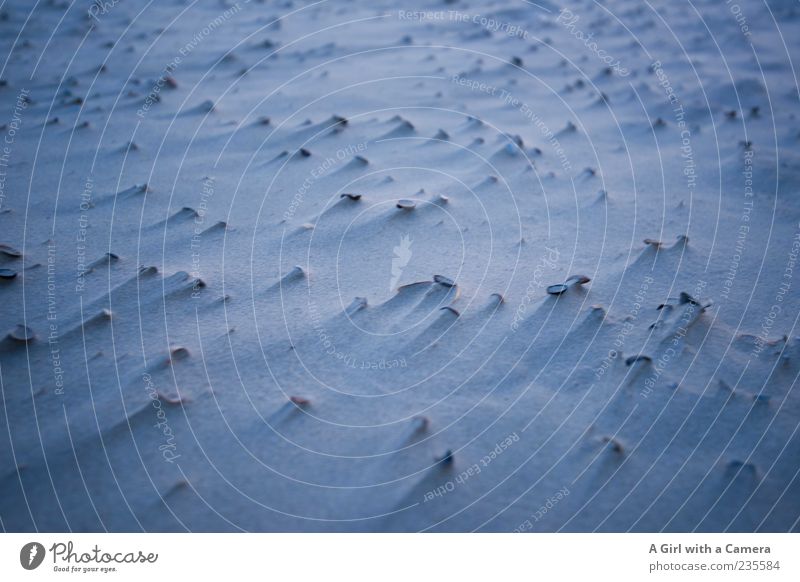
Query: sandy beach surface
(379,266)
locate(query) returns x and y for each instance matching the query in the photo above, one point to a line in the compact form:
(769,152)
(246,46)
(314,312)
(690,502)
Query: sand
(439,266)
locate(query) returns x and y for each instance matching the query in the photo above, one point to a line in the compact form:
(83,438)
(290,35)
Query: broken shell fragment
(442,280)
(560,288)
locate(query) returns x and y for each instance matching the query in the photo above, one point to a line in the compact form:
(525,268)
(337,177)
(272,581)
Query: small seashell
(446,458)
(442,280)
(557,289)
(21,333)
(560,288)
(686,298)
(7,274)
(299,400)
(171,400)
(297,272)
(406,204)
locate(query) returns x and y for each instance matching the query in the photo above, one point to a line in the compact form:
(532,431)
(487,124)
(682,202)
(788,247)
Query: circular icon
(31,555)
